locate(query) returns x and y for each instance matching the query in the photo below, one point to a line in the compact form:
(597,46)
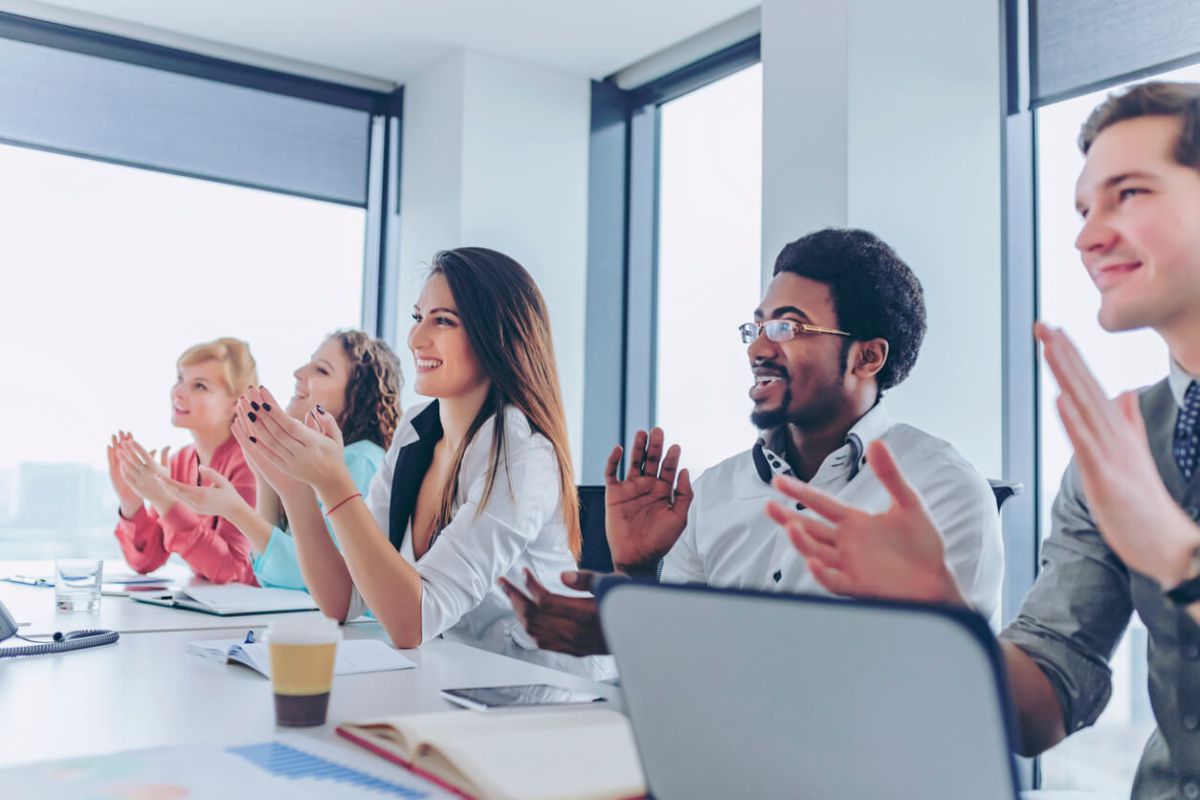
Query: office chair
(595,554)
(1001,490)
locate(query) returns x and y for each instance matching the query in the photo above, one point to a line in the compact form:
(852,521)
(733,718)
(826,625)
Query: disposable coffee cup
(302,656)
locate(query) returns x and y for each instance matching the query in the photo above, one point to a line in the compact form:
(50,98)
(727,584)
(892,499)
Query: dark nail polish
(266,406)
(319,409)
(253,417)
(253,440)
(254,405)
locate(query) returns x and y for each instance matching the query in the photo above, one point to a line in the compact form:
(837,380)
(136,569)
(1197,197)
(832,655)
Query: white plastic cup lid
(304,630)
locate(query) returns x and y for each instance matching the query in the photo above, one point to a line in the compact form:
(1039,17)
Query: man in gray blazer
(1124,535)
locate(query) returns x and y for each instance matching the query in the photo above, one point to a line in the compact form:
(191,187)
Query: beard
(773,417)
(817,412)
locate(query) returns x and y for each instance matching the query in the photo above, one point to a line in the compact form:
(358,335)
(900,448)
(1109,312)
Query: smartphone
(488,698)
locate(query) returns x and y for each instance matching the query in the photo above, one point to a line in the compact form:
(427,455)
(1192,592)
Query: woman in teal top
(357,380)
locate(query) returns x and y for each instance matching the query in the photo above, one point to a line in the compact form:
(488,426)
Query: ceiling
(392,40)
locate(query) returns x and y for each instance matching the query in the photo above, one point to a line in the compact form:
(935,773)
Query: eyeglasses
(782,330)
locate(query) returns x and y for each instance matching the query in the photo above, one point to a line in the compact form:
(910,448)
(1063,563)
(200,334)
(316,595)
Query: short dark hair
(875,294)
(1151,99)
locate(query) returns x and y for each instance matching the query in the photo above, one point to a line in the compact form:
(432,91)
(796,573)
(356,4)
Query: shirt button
(1192,651)
(1191,722)
(1191,791)
(1193,511)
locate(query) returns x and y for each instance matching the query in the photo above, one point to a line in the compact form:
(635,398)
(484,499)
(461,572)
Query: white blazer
(520,527)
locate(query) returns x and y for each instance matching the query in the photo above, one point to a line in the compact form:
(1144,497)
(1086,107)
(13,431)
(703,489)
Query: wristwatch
(1188,591)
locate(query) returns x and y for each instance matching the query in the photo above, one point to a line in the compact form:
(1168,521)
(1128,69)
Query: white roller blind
(138,115)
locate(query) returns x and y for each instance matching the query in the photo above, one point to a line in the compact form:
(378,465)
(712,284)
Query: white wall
(805,97)
(919,165)
(495,154)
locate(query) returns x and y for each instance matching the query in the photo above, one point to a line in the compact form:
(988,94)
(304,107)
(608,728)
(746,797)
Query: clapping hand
(311,452)
(897,554)
(220,498)
(130,500)
(265,470)
(645,514)
(556,622)
(1132,508)
(140,470)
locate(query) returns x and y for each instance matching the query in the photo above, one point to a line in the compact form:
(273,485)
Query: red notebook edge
(371,747)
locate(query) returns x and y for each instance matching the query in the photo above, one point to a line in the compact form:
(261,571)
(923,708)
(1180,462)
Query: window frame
(622,279)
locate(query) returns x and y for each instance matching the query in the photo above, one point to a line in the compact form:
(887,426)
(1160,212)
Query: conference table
(147,690)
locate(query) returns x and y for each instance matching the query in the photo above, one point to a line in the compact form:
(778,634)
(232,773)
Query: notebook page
(353,657)
(593,761)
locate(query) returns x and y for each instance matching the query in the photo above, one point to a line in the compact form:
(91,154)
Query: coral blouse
(212,546)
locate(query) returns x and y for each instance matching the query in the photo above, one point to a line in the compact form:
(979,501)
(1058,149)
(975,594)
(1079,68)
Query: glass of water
(77,584)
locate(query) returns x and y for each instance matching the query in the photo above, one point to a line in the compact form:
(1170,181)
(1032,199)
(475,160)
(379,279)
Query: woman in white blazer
(477,484)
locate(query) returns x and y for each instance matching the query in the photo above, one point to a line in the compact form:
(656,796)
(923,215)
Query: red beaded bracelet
(339,505)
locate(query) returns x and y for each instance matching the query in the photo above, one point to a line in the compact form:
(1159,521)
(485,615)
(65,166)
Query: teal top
(277,565)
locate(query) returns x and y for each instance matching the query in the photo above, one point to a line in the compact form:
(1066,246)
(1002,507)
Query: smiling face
(322,381)
(200,398)
(1140,240)
(446,365)
(799,381)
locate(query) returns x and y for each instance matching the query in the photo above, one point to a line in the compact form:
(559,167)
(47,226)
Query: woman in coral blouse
(153,522)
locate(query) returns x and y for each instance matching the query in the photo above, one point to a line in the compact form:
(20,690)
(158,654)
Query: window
(709,265)
(1104,757)
(110,272)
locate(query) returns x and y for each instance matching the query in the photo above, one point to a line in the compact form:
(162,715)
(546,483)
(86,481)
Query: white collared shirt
(730,541)
(521,527)
(1179,381)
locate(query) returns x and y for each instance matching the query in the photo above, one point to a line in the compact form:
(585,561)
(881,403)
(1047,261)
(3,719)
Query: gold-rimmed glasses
(781,330)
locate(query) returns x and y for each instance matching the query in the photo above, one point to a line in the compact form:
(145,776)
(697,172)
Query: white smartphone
(488,698)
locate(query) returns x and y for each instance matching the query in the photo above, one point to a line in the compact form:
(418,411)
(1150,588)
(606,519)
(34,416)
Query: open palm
(645,513)
(897,554)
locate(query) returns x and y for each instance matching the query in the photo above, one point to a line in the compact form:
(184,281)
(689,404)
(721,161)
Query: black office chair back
(595,554)
(1002,490)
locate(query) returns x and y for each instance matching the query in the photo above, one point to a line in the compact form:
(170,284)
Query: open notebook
(549,754)
(231,599)
(353,656)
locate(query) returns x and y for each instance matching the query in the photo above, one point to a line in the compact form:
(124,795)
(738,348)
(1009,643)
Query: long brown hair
(372,403)
(508,328)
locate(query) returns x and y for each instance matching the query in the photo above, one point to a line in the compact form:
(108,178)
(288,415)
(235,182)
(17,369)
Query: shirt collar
(425,423)
(1179,382)
(771,448)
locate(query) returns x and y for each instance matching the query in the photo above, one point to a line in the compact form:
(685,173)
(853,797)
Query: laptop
(747,694)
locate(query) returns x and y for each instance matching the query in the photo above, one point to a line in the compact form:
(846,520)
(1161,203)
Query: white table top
(35,605)
(148,691)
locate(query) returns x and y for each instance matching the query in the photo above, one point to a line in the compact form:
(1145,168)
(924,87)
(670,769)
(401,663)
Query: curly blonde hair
(372,407)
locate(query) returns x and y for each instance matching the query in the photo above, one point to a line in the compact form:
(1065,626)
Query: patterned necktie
(1187,437)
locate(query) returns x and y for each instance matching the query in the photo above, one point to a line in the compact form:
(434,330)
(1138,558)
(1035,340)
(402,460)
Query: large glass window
(1104,757)
(709,265)
(109,273)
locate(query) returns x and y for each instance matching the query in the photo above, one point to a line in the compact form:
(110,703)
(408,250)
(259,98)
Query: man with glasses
(1124,534)
(840,324)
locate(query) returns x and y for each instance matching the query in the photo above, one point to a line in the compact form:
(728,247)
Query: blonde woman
(153,522)
(356,380)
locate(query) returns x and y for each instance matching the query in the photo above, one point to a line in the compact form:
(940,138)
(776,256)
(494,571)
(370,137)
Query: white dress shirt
(1179,381)
(520,527)
(730,541)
